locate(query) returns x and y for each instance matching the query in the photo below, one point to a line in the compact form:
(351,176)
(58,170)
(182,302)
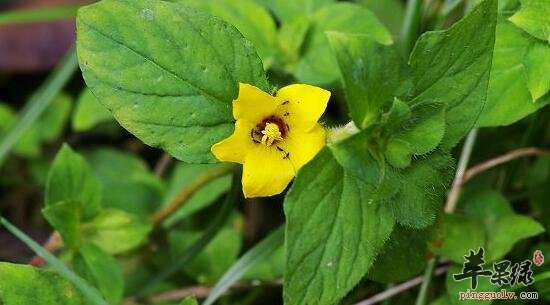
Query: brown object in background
(35,46)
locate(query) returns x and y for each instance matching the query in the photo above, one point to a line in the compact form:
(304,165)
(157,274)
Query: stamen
(271,133)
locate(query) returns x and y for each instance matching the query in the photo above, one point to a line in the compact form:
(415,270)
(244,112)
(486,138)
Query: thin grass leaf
(190,253)
(39,15)
(39,101)
(255,255)
(90,292)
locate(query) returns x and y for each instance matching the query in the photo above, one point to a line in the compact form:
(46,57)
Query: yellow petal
(235,148)
(301,106)
(253,104)
(266,172)
(303,146)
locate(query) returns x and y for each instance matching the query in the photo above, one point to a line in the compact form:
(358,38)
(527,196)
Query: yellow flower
(274,135)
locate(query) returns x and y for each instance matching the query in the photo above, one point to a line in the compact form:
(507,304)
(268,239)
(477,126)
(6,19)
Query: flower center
(271,133)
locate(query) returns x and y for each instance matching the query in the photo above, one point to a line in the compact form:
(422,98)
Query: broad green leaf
(317,65)
(516,80)
(182,176)
(287,11)
(334,231)
(373,75)
(71,179)
(167,72)
(102,270)
(403,256)
(115,231)
(533,18)
(455,287)
(24,285)
(250,18)
(65,217)
(209,265)
(422,190)
(461,234)
(89,112)
(140,191)
(453,66)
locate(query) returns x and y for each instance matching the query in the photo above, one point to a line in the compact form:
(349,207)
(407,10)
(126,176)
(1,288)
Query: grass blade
(90,292)
(247,261)
(39,15)
(39,101)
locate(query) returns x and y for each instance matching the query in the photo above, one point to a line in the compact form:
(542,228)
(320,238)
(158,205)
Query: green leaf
(47,127)
(139,192)
(461,234)
(363,61)
(102,270)
(65,217)
(422,190)
(71,179)
(289,10)
(398,153)
(426,127)
(167,72)
(404,255)
(23,285)
(250,18)
(334,231)
(91,293)
(209,265)
(317,65)
(182,176)
(38,102)
(390,12)
(516,80)
(115,231)
(189,301)
(533,18)
(89,112)
(249,260)
(291,38)
(485,221)
(454,66)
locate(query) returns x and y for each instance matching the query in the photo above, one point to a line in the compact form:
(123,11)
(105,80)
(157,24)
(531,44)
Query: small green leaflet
(71,179)
(89,112)
(167,72)
(533,18)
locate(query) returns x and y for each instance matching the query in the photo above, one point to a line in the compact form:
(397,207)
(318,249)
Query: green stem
(428,274)
(411,25)
(38,102)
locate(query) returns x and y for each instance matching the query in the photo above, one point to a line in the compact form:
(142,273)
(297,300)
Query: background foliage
(115,161)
